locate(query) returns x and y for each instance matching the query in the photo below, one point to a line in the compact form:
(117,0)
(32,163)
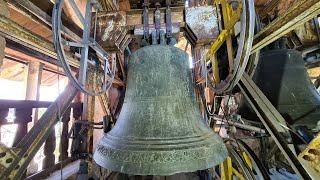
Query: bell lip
(169,169)
(162,162)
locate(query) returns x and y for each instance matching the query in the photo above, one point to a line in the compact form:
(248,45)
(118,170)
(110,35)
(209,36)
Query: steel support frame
(299,13)
(33,140)
(272,120)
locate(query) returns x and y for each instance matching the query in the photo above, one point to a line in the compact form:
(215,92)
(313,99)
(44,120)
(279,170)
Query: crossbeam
(17,33)
(36,14)
(299,13)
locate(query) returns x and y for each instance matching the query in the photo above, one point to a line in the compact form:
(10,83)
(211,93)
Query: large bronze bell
(160,130)
(282,76)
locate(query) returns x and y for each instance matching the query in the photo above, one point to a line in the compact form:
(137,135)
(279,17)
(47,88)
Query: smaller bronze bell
(160,130)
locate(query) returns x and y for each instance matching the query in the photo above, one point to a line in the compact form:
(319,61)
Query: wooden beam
(109,5)
(16,33)
(66,172)
(104,102)
(32,11)
(134,17)
(33,80)
(124,5)
(298,14)
(17,52)
(268,8)
(57,167)
(12,71)
(23,104)
(4,10)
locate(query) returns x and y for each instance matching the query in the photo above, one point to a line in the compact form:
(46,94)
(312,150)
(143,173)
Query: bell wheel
(96,67)
(228,56)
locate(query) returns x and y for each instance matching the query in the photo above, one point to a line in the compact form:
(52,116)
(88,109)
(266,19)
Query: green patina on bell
(160,130)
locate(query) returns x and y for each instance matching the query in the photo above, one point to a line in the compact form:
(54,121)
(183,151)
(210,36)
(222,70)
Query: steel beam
(30,144)
(272,120)
(298,14)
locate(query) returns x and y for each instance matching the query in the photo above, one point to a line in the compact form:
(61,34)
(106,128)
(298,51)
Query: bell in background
(159,130)
(282,77)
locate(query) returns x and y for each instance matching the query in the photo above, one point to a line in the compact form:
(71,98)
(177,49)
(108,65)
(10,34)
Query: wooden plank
(46,172)
(17,33)
(134,17)
(19,53)
(34,80)
(22,104)
(67,171)
(298,14)
(37,15)
(109,5)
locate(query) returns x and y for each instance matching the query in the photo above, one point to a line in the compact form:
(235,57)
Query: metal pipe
(236,124)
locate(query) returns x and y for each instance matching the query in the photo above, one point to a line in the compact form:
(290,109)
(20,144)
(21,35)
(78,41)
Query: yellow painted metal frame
(310,157)
(228,171)
(230,18)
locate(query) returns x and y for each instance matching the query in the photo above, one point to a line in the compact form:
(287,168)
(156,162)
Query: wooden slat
(22,104)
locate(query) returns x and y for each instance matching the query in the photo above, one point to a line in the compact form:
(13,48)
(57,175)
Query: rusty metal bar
(239,125)
(29,145)
(298,14)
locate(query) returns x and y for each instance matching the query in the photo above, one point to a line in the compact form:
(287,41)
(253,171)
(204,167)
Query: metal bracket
(146,21)
(157,19)
(168,20)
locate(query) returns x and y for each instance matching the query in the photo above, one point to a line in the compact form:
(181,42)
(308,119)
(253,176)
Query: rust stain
(203,21)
